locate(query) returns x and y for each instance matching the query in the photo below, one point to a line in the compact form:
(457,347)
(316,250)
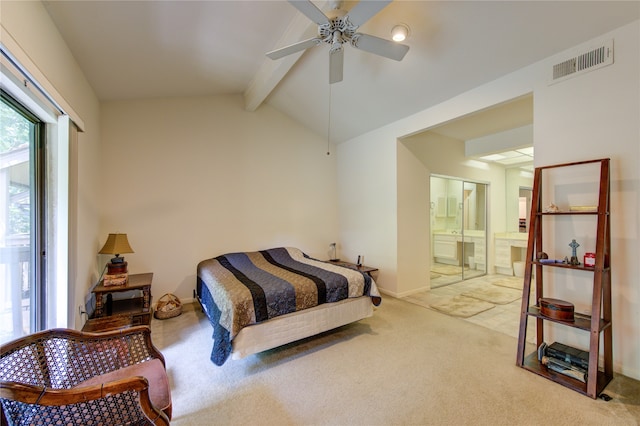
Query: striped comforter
(240,289)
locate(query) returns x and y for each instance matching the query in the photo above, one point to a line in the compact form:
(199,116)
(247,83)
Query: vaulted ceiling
(156,49)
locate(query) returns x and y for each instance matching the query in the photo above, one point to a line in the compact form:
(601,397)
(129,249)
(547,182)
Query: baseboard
(626,371)
(387,292)
(414,291)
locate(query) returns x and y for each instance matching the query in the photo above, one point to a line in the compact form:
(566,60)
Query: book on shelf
(115,279)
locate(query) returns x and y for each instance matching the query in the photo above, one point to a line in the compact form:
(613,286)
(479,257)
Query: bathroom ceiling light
(526,151)
(400,32)
(493,157)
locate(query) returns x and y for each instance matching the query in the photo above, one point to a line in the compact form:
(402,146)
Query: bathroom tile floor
(503,318)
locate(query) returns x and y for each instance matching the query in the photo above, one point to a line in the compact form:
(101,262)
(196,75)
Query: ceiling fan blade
(336,61)
(293,48)
(379,46)
(310,11)
(364,10)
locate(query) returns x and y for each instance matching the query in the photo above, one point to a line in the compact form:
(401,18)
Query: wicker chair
(68,377)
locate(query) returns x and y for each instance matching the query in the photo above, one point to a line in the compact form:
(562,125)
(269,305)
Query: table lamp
(116,244)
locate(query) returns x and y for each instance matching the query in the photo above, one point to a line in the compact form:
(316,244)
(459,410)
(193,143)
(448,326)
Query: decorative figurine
(552,208)
(574,256)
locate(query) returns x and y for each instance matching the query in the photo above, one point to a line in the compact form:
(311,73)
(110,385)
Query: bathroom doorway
(458,218)
(524,208)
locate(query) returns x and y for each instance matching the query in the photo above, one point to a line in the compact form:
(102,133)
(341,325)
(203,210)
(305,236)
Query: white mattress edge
(299,325)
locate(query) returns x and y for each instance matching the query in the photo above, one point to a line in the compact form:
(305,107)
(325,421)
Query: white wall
(28,23)
(590,116)
(368,204)
(413,222)
(441,155)
(192,178)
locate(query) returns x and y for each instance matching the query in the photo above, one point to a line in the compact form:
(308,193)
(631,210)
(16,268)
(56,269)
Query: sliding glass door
(458,230)
(21,195)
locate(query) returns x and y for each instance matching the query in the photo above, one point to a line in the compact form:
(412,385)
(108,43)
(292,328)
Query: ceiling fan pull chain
(329,123)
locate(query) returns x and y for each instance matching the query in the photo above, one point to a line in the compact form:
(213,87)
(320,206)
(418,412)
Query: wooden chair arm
(48,397)
(70,334)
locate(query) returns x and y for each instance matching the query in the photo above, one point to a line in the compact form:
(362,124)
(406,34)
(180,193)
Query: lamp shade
(116,244)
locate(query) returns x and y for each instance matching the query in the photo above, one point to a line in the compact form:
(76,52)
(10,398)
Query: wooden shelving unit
(598,323)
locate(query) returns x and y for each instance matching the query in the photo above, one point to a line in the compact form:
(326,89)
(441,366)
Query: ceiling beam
(272,72)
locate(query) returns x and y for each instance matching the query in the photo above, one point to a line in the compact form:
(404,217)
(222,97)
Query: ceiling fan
(339,27)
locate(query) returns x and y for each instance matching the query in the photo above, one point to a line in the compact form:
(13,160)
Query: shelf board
(591,212)
(113,322)
(581,321)
(532,364)
(568,266)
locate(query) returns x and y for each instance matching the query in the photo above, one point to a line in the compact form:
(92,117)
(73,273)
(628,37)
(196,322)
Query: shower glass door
(458,230)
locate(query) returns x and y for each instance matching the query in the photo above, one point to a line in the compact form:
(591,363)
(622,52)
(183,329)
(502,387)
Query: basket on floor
(169,306)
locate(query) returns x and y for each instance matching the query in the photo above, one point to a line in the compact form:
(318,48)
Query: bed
(264,299)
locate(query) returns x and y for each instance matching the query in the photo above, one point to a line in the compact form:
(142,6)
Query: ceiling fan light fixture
(339,27)
(400,32)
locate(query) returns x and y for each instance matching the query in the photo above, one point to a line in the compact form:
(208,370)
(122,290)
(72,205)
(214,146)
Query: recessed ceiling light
(400,32)
(526,151)
(515,160)
(493,157)
(510,154)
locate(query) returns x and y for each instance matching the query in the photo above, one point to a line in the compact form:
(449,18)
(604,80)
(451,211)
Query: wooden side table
(113,314)
(113,322)
(362,268)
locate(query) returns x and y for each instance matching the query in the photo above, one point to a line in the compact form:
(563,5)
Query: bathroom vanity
(454,248)
(509,247)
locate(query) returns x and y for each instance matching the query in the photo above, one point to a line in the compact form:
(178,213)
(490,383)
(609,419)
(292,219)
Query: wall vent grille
(593,59)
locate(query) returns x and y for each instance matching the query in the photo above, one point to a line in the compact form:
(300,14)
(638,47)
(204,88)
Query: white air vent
(593,59)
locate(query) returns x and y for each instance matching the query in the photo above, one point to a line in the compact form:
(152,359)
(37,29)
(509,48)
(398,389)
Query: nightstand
(364,269)
(111,314)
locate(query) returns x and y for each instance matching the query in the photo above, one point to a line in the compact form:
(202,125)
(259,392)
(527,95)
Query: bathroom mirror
(524,208)
(458,230)
(518,184)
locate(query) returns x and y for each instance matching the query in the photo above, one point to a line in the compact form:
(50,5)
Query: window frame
(21,78)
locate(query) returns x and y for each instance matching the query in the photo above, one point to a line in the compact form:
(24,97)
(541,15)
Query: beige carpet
(497,295)
(406,365)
